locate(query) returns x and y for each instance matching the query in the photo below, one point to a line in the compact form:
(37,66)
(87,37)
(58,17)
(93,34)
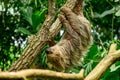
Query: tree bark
(39,40)
(34,73)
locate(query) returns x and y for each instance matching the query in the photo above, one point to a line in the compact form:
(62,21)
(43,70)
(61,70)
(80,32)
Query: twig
(112,48)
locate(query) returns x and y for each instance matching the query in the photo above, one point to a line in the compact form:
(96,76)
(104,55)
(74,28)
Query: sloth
(74,43)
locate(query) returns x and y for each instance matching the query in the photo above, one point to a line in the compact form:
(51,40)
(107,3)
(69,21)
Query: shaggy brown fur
(73,44)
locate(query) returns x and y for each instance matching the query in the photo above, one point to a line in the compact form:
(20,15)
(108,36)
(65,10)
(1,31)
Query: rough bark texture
(39,40)
(32,73)
(36,43)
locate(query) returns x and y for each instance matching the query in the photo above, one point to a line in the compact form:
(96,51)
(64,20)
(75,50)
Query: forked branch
(104,64)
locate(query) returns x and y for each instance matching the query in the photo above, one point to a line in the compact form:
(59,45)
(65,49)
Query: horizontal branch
(31,73)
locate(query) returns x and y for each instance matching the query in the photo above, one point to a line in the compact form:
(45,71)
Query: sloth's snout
(48,51)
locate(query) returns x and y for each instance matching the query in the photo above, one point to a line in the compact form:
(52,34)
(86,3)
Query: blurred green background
(21,18)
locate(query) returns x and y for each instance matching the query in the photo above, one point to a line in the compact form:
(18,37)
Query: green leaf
(88,67)
(105,13)
(75,70)
(92,52)
(108,12)
(27,13)
(36,3)
(117,13)
(38,17)
(24,31)
(116,1)
(11,56)
(29,1)
(114,67)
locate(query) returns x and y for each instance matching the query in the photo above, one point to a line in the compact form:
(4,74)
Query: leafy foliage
(21,18)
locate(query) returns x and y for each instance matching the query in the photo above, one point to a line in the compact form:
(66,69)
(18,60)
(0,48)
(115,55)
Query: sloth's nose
(48,51)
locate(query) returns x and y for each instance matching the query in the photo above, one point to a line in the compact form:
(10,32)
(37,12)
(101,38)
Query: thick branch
(108,60)
(31,73)
(51,7)
(72,4)
(36,43)
(47,23)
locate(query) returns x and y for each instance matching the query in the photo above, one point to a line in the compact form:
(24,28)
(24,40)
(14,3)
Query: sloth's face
(55,58)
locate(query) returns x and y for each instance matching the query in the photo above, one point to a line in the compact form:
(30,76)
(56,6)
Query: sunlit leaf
(11,56)
(116,0)
(105,13)
(36,3)
(38,17)
(117,13)
(114,67)
(108,12)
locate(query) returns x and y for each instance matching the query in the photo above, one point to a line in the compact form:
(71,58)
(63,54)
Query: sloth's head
(55,57)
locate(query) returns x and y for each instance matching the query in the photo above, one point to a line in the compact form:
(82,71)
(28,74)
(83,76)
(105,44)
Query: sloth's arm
(78,23)
(67,25)
(72,19)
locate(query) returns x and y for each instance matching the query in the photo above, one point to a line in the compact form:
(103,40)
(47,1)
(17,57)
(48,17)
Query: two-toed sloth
(74,42)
